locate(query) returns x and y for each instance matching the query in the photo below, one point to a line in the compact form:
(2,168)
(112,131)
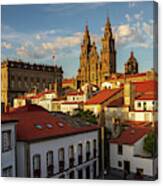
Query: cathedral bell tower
(131,67)
(108,53)
(83,72)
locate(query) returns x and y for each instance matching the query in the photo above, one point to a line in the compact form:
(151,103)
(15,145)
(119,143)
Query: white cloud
(128,17)
(131,4)
(6,45)
(148,29)
(139,16)
(22,52)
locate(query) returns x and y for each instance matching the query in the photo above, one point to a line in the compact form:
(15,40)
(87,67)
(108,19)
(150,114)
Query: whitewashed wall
(8,158)
(43,147)
(147,164)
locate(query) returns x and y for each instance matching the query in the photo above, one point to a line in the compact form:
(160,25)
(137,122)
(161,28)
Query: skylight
(49,125)
(38,126)
(61,124)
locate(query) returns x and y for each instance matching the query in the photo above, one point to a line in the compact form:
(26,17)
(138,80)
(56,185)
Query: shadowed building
(18,77)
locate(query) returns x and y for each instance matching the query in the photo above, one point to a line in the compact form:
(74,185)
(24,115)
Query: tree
(86,115)
(150,143)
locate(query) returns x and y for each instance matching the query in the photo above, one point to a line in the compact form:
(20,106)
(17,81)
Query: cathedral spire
(107,21)
(86,38)
(107,30)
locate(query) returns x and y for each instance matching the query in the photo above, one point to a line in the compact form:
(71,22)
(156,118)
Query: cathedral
(131,67)
(95,68)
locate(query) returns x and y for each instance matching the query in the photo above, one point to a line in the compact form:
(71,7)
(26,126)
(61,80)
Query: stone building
(131,67)
(18,78)
(95,69)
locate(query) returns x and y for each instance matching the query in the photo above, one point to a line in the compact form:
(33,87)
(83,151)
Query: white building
(126,153)
(55,145)
(8,159)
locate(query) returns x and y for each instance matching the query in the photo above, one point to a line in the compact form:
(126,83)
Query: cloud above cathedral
(134,33)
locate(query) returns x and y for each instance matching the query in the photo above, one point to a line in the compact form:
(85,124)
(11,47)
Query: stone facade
(95,69)
(18,78)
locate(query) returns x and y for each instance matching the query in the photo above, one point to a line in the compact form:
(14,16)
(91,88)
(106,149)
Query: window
(88,172)
(145,106)
(94,148)
(6,140)
(36,166)
(7,172)
(80,174)
(94,170)
(80,152)
(62,176)
(119,164)
(120,149)
(61,159)
(88,151)
(72,175)
(50,166)
(71,156)
(139,104)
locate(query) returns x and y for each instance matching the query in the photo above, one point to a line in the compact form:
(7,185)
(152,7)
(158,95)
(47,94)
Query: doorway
(127,166)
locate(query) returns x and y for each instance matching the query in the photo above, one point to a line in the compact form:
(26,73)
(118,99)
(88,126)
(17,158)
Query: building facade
(127,154)
(54,145)
(18,78)
(8,155)
(95,68)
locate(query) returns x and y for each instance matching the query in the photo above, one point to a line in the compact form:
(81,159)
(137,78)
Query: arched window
(36,166)
(71,155)
(61,159)
(94,148)
(50,166)
(88,150)
(80,153)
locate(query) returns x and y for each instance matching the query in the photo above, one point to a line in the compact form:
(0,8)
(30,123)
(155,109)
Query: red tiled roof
(136,123)
(31,115)
(6,119)
(75,93)
(148,96)
(146,86)
(73,102)
(117,103)
(103,96)
(67,81)
(49,92)
(131,135)
(123,76)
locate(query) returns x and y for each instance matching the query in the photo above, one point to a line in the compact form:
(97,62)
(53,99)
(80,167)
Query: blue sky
(35,33)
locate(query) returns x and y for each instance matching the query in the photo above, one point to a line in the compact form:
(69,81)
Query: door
(127,166)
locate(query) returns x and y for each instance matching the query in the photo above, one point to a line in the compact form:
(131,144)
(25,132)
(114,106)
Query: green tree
(86,115)
(150,143)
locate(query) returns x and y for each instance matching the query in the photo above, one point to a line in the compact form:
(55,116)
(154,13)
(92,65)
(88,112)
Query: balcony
(71,162)
(61,166)
(80,159)
(88,154)
(50,170)
(37,173)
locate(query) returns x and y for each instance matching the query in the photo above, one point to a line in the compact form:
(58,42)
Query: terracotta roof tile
(31,116)
(146,86)
(131,135)
(117,103)
(72,102)
(103,96)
